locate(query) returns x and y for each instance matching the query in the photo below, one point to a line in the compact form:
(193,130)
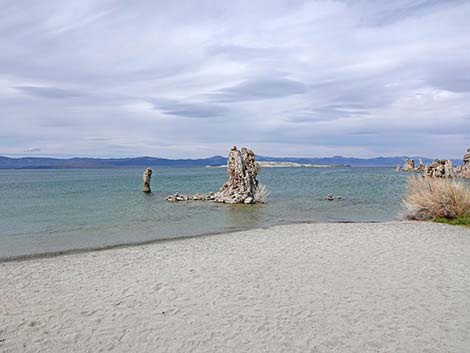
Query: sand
(385,287)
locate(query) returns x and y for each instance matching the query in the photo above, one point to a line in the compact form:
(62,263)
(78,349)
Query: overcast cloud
(190,78)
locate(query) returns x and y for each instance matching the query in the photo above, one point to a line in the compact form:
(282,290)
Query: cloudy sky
(190,78)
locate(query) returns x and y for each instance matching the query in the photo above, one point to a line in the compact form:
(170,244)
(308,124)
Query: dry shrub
(261,194)
(430,198)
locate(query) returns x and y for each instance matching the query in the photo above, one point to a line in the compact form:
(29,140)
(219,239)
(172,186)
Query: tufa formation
(440,168)
(242,185)
(147,179)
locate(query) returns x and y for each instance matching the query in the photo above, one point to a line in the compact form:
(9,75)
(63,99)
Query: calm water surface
(54,210)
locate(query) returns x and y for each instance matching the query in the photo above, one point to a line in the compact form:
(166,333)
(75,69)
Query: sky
(188,79)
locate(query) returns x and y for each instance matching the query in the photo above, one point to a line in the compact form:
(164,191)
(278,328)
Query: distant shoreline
(289,165)
(143,162)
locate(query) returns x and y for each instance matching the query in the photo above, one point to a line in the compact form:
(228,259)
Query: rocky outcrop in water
(147,179)
(440,168)
(242,185)
(331,197)
(448,169)
(409,166)
(197,197)
(444,169)
(466,158)
(465,171)
(421,166)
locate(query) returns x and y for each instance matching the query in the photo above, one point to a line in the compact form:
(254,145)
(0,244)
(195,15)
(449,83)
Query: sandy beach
(377,287)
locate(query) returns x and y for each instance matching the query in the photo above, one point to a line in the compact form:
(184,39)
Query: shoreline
(52,254)
(319,287)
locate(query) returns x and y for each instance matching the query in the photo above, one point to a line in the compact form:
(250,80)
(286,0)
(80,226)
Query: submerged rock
(178,197)
(331,197)
(242,185)
(147,178)
(197,197)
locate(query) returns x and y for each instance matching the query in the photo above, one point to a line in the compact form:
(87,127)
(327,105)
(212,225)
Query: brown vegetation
(430,198)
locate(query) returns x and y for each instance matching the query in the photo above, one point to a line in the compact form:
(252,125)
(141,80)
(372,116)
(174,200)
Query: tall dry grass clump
(261,194)
(430,198)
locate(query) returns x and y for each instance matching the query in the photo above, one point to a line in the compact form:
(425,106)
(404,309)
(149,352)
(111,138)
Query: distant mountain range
(55,163)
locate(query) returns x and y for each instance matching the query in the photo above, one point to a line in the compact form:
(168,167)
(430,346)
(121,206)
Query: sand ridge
(382,287)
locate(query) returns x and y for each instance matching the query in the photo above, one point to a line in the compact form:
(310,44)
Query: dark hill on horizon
(88,163)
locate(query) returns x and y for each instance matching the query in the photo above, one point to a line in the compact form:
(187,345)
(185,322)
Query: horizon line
(216,156)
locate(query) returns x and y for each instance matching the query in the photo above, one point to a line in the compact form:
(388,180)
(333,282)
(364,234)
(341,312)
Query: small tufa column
(448,169)
(466,158)
(465,173)
(421,166)
(409,165)
(147,178)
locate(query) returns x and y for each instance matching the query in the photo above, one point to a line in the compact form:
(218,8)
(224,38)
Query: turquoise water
(54,210)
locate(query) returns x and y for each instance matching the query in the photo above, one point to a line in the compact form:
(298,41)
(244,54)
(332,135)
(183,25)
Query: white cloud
(186,79)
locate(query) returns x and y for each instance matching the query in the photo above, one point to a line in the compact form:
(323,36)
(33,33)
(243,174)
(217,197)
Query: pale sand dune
(389,287)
